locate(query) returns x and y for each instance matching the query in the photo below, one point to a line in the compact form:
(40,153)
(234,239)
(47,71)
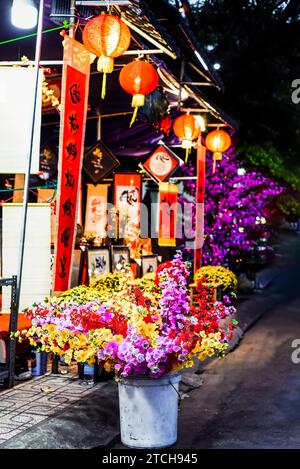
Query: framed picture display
(127,200)
(120,256)
(96,210)
(98,262)
(99,162)
(149,264)
(162,164)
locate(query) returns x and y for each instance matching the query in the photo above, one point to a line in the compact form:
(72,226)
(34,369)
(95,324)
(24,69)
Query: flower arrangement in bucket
(146,337)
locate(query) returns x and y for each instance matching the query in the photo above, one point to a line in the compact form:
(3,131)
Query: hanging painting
(96,210)
(127,199)
(161,164)
(168,199)
(200,194)
(99,162)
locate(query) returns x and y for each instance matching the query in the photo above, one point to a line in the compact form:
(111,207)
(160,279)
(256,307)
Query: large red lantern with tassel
(138,78)
(108,37)
(217,141)
(186,127)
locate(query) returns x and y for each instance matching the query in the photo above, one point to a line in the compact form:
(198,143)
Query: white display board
(17,87)
(36,268)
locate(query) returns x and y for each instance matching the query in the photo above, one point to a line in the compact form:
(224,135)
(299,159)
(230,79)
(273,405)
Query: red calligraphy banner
(127,201)
(168,202)
(75,83)
(200,195)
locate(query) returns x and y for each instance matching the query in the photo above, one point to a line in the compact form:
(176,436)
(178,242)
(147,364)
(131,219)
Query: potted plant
(146,336)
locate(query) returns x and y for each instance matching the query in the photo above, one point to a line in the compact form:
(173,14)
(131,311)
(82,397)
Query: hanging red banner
(168,201)
(75,83)
(200,195)
(127,200)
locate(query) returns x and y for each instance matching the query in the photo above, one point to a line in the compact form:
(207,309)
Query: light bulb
(201,123)
(24,14)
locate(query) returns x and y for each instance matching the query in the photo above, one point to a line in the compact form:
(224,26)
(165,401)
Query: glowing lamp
(217,142)
(187,128)
(24,14)
(107,37)
(138,78)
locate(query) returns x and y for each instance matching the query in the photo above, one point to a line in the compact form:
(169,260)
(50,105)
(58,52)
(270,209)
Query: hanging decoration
(161,164)
(75,84)
(107,37)
(217,141)
(155,108)
(187,128)
(168,200)
(99,162)
(165,125)
(138,78)
(96,210)
(200,196)
(127,201)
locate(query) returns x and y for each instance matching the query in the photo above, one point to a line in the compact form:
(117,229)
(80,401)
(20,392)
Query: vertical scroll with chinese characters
(75,84)
(96,210)
(200,194)
(127,201)
(168,200)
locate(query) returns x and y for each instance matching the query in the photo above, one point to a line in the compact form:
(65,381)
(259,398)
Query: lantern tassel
(133,116)
(214,164)
(187,152)
(103,90)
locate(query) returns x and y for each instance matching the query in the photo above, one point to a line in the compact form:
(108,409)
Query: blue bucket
(40,366)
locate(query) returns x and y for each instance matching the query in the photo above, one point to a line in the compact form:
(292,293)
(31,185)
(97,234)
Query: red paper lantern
(217,141)
(108,37)
(138,78)
(186,128)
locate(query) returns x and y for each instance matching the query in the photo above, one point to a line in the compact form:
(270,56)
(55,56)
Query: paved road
(251,399)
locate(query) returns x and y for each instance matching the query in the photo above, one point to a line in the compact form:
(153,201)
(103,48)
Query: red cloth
(23,323)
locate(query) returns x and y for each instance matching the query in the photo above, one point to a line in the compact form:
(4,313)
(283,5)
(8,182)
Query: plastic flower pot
(149,411)
(86,373)
(39,365)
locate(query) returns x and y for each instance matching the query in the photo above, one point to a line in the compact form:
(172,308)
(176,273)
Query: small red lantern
(217,141)
(138,78)
(186,127)
(108,37)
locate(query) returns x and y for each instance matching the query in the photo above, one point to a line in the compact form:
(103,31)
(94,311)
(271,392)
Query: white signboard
(17,87)
(37,253)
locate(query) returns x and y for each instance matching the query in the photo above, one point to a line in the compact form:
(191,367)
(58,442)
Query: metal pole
(72,19)
(38,48)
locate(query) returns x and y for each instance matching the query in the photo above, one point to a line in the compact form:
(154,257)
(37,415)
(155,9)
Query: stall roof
(160,22)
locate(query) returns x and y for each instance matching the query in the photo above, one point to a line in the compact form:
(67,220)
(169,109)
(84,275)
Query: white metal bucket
(149,411)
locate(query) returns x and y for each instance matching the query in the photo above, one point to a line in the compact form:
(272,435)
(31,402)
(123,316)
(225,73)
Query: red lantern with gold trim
(187,128)
(217,141)
(107,37)
(138,78)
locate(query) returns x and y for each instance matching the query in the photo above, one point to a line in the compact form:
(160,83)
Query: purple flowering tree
(239,206)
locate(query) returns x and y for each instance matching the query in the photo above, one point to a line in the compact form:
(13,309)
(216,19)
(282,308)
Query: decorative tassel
(103,90)
(187,152)
(105,65)
(217,156)
(214,164)
(133,116)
